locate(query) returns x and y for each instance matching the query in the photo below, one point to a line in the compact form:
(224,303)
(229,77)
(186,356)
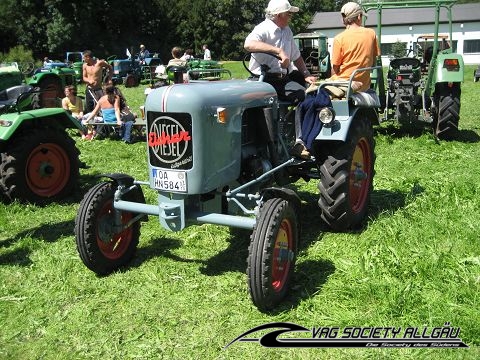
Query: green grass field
(416,263)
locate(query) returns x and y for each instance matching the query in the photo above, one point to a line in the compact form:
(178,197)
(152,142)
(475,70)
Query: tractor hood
(200,95)
(194,131)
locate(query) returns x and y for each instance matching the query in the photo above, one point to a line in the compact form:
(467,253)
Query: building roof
(461,13)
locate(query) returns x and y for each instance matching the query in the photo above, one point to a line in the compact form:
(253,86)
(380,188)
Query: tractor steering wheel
(263,67)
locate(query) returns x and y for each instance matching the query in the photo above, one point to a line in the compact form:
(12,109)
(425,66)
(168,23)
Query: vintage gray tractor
(427,86)
(218,153)
(39,160)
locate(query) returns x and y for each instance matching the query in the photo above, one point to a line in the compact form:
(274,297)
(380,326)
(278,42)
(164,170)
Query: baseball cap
(351,10)
(280,6)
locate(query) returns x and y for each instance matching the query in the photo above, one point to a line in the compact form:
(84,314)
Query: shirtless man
(92,76)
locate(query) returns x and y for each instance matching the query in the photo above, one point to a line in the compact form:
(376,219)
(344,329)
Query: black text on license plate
(170,180)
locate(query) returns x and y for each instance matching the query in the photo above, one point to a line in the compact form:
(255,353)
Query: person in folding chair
(114,111)
(127,116)
(109,105)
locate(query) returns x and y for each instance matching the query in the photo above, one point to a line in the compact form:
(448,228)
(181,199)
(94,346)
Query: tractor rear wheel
(131,81)
(50,91)
(40,166)
(447,102)
(347,178)
(103,246)
(272,253)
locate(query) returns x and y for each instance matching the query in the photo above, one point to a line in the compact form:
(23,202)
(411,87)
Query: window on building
(471,46)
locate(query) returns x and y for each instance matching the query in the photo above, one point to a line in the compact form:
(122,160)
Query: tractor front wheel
(447,102)
(347,178)
(105,239)
(272,253)
(40,166)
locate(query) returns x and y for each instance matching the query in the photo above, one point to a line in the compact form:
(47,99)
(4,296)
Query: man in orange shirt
(354,48)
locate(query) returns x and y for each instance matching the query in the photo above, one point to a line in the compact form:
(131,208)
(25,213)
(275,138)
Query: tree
(7,26)
(224,24)
(17,54)
(398,49)
(52,27)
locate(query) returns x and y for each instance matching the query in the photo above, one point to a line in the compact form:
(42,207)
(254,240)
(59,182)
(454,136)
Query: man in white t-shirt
(273,35)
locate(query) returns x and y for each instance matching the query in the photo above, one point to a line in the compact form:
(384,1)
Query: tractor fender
(338,131)
(119,178)
(127,181)
(36,79)
(55,117)
(283,193)
(452,72)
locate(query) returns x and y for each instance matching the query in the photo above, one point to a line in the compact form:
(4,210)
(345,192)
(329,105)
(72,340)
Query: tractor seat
(405,64)
(12,93)
(8,97)
(338,90)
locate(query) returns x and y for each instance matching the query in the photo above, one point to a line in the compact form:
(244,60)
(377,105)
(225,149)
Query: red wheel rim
(359,177)
(112,245)
(47,170)
(282,255)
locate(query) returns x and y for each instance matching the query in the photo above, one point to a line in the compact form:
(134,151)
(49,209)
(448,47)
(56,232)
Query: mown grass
(416,262)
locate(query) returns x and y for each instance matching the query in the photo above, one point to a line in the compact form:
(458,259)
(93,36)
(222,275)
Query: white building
(405,25)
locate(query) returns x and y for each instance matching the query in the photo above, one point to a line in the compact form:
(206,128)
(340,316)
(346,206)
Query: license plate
(170,180)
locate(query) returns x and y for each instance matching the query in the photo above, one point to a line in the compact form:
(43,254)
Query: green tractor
(314,49)
(425,88)
(51,81)
(194,69)
(39,161)
(74,59)
(204,69)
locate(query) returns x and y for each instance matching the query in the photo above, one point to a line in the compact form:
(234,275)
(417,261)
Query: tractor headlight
(5,123)
(326,115)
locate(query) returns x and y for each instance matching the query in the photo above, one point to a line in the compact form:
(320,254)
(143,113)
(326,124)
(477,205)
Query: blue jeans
(126,131)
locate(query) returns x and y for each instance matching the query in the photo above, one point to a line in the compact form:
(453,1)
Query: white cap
(280,6)
(351,10)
